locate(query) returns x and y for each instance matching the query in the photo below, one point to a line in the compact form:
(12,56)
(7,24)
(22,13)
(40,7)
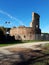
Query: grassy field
(1,45)
(28,41)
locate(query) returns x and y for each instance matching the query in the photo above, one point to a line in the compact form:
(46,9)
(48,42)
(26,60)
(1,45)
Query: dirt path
(25,45)
(22,54)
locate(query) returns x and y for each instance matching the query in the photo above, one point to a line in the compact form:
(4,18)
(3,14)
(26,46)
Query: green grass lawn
(28,41)
(1,45)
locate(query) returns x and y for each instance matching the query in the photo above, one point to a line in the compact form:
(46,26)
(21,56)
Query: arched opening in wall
(36,26)
(37,19)
(18,37)
(30,32)
(24,36)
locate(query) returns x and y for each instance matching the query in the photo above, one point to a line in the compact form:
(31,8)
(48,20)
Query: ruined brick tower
(35,25)
(35,20)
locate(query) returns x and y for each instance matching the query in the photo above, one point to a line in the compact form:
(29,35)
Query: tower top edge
(33,13)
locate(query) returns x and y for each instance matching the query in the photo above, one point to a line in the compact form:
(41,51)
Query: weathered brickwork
(24,33)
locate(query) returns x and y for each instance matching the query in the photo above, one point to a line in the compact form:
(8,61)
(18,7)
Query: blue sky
(19,12)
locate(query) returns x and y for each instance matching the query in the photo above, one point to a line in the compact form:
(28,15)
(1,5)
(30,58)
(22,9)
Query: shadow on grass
(36,60)
(9,40)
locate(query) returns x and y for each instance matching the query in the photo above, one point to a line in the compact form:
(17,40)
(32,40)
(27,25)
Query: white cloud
(11,17)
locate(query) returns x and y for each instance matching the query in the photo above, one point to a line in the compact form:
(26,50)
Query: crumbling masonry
(28,33)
